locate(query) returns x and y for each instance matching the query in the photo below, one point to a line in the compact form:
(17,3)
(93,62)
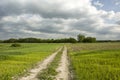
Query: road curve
(42,65)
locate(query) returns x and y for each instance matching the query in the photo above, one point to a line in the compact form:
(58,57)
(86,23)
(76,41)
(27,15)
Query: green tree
(1,41)
(80,38)
(12,40)
(90,39)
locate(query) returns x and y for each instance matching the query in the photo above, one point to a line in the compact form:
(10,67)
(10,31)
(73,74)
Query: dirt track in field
(42,65)
(63,70)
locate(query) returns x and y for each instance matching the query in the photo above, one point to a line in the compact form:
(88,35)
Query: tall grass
(15,61)
(98,61)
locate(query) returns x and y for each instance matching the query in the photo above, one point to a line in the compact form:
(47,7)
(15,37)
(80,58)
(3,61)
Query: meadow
(88,61)
(95,61)
(16,61)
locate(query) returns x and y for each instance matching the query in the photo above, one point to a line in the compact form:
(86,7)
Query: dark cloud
(44,8)
(55,19)
(118,22)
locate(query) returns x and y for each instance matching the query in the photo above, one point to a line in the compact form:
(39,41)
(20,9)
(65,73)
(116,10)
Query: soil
(41,66)
(63,69)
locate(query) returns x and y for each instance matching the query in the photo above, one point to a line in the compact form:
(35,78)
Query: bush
(15,45)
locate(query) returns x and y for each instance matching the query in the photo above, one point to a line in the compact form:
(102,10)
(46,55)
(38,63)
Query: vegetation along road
(42,65)
(53,61)
(41,70)
(63,70)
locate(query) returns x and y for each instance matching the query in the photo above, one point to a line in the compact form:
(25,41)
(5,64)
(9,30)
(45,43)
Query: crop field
(15,61)
(87,61)
(95,61)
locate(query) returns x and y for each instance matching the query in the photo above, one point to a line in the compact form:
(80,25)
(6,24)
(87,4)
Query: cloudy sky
(59,18)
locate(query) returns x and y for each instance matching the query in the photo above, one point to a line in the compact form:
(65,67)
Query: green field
(96,61)
(88,61)
(15,61)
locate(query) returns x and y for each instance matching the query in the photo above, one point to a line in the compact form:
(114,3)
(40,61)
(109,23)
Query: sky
(60,18)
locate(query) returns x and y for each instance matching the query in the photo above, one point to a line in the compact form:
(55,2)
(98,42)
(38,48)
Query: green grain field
(16,61)
(88,61)
(96,61)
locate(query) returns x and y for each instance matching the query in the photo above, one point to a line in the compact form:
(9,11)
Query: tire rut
(41,66)
(63,69)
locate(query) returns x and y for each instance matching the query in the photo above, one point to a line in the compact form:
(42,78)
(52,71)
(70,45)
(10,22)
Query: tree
(12,40)
(71,40)
(1,41)
(90,39)
(80,38)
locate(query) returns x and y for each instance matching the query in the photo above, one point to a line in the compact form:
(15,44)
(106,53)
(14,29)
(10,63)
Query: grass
(89,61)
(97,61)
(50,72)
(15,61)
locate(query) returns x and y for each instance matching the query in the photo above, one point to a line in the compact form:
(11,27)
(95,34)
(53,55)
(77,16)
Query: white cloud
(117,2)
(98,3)
(55,19)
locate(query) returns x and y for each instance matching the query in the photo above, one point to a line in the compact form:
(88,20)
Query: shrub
(15,45)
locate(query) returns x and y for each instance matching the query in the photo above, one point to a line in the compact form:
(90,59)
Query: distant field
(96,61)
(15,61)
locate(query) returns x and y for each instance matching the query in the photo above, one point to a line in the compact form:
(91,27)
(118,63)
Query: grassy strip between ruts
(50,72)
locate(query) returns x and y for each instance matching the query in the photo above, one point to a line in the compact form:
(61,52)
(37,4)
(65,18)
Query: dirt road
(63,70)
(42,65)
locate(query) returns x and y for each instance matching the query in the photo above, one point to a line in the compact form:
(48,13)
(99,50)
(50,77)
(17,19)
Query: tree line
(80,38)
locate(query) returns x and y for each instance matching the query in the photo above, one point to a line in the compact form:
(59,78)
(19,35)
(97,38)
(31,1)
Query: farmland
(15,61)
(88,61)
(96,61)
